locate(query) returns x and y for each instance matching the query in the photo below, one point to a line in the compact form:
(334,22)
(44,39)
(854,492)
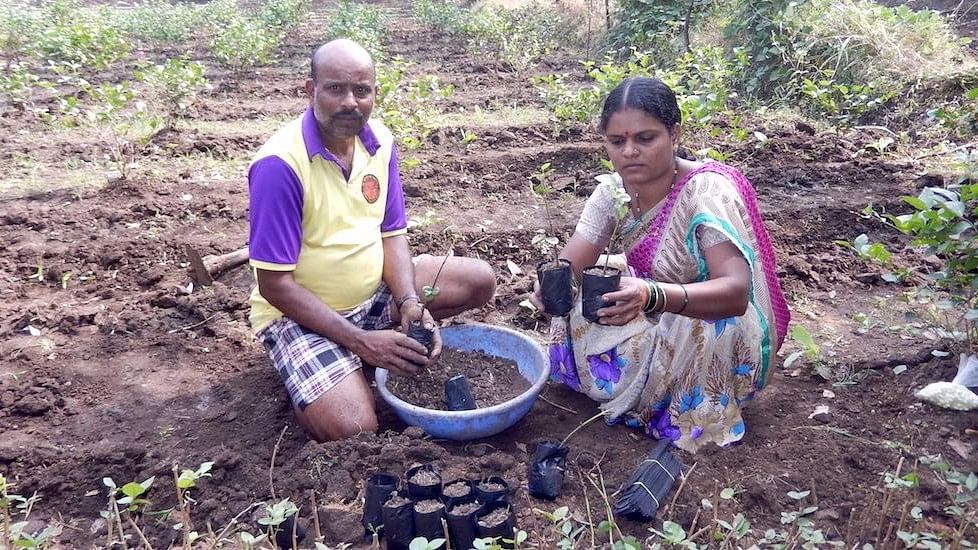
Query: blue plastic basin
(465,425)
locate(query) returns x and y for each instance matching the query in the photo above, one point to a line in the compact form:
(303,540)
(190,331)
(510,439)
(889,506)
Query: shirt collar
(314,141)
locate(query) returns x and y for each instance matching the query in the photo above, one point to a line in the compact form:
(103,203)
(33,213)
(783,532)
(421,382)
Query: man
(328,243)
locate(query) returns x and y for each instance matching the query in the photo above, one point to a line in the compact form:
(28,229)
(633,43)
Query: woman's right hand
(627,303)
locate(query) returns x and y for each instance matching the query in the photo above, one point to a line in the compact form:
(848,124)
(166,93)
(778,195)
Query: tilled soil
(114,366)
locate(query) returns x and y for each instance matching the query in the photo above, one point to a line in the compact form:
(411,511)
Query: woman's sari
(675,376)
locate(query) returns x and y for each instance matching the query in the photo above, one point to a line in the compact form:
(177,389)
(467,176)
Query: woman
(690,335)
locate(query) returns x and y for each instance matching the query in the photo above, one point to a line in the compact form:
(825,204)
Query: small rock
(413,432)
(340,524)
(823,418)
(7,399)
(98,528)
(506,135)
(33,405)
(827,514)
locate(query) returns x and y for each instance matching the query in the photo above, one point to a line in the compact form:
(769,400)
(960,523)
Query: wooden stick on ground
(206,269)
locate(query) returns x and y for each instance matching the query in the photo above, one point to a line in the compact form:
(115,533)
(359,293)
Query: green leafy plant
(545,239)
(943,224)
(245,43)
(408,107)
(960,117)
(421,543)
(878,254)
(175,84)
(810,350)
(840,102)
(441,15)
(15,532)
(157,21)
(78,38)
(563,528)
(282,14)
(619,199)
(362,23)
(496,543)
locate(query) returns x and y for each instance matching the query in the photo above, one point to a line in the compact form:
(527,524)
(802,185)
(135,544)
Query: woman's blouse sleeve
(597,220)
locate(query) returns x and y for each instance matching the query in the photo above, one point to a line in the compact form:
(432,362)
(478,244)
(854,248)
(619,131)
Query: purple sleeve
(275,200)
(394,216)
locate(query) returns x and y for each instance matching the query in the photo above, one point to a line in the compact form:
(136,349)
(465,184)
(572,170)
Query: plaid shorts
(308,363)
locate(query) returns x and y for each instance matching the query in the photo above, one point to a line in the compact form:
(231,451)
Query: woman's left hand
(627,302)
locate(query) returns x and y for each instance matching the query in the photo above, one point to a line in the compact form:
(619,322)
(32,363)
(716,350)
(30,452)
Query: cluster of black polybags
(398,514)
(644,493)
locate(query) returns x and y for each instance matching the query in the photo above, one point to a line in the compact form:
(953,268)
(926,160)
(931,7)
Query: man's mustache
(351,116)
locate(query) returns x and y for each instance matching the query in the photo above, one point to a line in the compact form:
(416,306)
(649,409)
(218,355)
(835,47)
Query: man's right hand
(391,350)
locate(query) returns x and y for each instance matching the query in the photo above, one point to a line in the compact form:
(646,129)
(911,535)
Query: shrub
(659,27)
(944,224)
(18,23)
(409,107)
(442,15)
(245,43)
(79,38)
(157,21)
(176,84)
(282,14)
(361,23)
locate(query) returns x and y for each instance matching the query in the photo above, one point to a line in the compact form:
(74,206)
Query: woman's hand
(627,303)
(536,298)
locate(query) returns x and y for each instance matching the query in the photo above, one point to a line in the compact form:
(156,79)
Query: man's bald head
(343,52)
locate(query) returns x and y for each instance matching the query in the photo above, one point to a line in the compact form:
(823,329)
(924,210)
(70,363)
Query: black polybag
(646,490)
(458,394)
(379,489)
(546,469)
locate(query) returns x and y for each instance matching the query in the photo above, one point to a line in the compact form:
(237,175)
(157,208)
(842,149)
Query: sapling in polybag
(955,394)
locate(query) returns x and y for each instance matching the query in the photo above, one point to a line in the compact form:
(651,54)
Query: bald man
(329,246)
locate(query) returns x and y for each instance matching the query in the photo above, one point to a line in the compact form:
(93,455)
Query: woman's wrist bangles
(658,301)
(657,297)
(685,300)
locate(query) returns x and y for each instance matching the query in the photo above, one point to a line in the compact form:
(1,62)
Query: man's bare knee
(342,427)
(483,284)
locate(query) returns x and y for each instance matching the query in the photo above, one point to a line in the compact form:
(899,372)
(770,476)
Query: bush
(80,39)
(442,15)
(245,43)
(408,108)
(944,224)
(18,23)
(157,21)
(175,84)
(701,80)
(361,23)
(656,27)
(282,14)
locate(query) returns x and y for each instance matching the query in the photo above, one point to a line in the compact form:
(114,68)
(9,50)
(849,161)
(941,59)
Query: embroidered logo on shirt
(370,188)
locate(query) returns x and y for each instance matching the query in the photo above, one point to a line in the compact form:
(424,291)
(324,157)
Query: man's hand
(391,350)
(411,311)
(626,303)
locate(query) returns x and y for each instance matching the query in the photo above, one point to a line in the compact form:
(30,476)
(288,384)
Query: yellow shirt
(324,223)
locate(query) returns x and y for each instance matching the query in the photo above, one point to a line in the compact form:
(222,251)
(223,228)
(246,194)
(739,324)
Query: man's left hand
(411,311)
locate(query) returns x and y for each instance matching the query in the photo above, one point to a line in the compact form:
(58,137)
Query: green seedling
(563,527)
(540,186)
(467,136)
(421,543)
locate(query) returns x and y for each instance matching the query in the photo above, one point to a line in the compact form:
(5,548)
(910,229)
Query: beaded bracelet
(685,300)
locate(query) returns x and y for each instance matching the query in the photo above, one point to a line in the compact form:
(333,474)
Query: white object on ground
(955,394)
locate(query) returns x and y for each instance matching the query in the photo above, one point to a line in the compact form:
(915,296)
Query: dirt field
(131,373)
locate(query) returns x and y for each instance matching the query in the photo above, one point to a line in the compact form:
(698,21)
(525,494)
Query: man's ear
(310,88)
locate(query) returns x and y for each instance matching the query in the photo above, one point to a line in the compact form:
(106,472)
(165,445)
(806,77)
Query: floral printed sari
(670,375)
